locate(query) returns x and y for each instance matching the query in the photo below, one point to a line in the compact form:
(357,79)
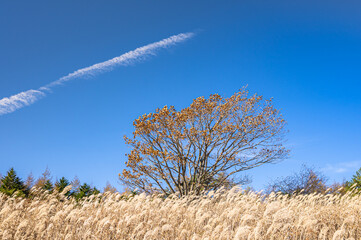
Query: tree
(44,182)
(355,183)
(11,183)
(338,188)
(61,184)
(306,181)
(75,183)
(109,188)
(48,186)
(85,190)
(228,183)
(182,151)
(30,181)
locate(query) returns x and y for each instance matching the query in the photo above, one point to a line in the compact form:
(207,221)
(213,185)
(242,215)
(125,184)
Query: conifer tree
(85,190)
(11,183)
(355,183)
(61,184)
(48,185)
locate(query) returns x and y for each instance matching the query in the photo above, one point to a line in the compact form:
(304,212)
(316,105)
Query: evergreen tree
(48,186)
(85,190)
(12,183)
(61,184)
(95,191)
(355,183)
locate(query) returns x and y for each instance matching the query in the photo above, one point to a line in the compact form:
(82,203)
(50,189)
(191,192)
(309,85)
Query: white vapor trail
(20,100)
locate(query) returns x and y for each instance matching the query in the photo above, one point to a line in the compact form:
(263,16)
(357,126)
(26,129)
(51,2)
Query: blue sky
(304,54)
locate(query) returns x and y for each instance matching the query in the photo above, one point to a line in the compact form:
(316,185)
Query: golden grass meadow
(224,214)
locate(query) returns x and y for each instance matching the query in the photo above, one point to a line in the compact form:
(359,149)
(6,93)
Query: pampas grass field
(232,214)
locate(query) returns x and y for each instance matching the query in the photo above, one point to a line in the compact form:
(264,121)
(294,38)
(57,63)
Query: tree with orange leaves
(185,151)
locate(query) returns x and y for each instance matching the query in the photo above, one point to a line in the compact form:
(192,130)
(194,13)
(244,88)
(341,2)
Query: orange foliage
(183,151)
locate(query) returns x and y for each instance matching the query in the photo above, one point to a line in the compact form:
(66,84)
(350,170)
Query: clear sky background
(305,54)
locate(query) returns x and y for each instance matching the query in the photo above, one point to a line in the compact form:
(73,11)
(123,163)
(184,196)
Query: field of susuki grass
(218,215)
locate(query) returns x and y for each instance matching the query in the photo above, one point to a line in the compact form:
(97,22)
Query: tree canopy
(183,151)
(11,183)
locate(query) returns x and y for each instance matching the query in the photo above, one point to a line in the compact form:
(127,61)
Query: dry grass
(220,215)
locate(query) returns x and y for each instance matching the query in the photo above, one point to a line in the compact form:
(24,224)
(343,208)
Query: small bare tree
(184,151)
(306,181)
(44,182)
(109,188)
(29,183)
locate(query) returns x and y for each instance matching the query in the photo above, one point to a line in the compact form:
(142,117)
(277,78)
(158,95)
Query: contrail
(11,104)
(20,100)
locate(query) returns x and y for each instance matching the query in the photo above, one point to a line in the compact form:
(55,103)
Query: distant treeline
(306,181)
(12,185)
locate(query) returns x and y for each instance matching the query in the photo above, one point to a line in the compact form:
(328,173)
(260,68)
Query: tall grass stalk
(233,214)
